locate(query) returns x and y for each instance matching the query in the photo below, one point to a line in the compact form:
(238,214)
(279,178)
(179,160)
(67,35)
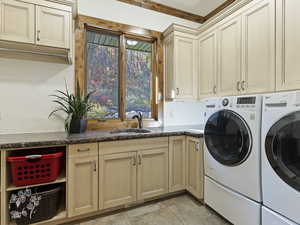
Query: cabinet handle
(95,166)
(197,149)
(83,150)
(140,160)
(134,160)
(238,86)
(215,89)
(177,91)
(38,35)
(243,85)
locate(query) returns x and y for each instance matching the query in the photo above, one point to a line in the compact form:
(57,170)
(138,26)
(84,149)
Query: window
(120,73)
(138,78)
(103,55)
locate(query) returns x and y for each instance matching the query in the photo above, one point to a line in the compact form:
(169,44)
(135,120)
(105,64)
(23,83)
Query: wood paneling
(166,10)
(84,23)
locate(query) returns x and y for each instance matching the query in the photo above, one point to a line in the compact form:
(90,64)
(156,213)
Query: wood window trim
(84,23)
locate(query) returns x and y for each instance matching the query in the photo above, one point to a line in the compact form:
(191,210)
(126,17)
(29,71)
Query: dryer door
(282,146)
(228,138)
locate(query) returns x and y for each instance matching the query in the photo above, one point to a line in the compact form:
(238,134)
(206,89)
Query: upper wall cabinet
(288,44)
(237,55)
(259,47)
(39,28)
(49,20)
(229,61)
(17,21)
(181,63)
(208,64)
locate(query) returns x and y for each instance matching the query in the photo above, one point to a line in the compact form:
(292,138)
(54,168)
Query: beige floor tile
(182,210)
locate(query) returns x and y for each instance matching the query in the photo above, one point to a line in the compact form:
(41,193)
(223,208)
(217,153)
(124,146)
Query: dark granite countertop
(11,141)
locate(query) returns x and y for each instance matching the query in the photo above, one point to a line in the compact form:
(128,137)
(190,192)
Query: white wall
(25,86)
(183,113)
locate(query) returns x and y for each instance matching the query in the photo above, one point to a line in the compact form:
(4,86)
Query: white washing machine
(281,154)
(232,158)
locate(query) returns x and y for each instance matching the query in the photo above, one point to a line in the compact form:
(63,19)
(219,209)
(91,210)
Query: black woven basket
(49,202)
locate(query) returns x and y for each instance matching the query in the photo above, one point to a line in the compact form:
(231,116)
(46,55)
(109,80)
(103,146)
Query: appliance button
(225,102)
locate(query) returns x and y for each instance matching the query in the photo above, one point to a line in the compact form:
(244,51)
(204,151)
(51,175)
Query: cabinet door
(288,44)
(177,160)
(152,173)
(259,48)
(195,170)
(17,21)
(169,67)
(49,20)
(185,68)
(82,185)
(117,179)
(208,65)
(230,41)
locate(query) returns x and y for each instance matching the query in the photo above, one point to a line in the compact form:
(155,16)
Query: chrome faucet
(139,117)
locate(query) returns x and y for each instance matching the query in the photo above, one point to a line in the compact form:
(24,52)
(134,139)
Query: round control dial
(225,102)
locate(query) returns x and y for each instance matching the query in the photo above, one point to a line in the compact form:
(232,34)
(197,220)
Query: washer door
(228,138)
(283,149)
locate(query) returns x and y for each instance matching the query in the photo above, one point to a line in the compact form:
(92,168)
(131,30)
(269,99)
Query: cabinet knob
(95,166)
(197,149)
(140,160)
(243,85)
(38,35)
(215,89)
(238,86)
(134,161)
(177,91)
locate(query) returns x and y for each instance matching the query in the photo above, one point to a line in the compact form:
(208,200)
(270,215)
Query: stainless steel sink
(130,131)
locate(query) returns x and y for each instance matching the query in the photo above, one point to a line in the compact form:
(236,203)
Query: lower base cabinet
(82,175)
(118,175)
(131,171)
(195,169)
(152,173)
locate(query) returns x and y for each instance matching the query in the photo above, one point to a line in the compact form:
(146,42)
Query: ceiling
(198,7)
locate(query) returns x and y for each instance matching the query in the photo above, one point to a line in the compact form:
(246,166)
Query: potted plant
(75,106)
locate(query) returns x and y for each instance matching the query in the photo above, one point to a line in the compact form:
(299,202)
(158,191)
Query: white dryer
(232,158)
(281,154)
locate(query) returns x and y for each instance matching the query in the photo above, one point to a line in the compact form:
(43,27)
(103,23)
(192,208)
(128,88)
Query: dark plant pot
(77,126)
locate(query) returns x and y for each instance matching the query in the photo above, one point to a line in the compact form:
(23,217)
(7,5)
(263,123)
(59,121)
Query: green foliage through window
(103,76)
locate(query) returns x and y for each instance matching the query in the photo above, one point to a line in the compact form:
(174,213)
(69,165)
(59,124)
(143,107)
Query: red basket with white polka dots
(35,169)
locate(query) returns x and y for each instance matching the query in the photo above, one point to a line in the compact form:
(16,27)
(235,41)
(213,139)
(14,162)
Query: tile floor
(181,210)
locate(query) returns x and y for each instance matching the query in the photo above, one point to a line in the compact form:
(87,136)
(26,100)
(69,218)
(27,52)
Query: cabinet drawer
(79,150)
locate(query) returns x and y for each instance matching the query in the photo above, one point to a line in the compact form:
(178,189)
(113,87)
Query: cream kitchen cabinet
(118,177)
(258,24)
(229,56)
(237,55)
(208,82)
(82,172)
(177,163)
(36,30)
(49,20)
(152,173)
(288,45)
(132,170)
(17,21)
(181,65)
(195,168)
